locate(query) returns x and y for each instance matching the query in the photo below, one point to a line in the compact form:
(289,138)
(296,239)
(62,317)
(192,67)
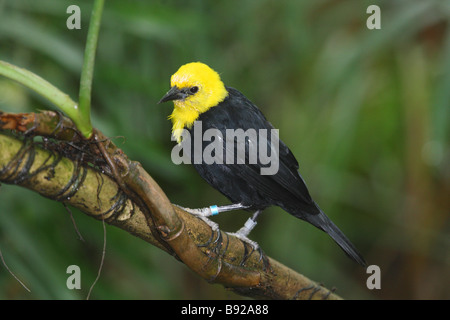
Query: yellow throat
(209,93)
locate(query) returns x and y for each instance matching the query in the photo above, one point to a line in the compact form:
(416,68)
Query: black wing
(244,183)
(286,187)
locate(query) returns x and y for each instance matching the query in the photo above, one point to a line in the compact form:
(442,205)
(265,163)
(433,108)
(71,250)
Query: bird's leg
(214,210)
(243,232)
(203,213)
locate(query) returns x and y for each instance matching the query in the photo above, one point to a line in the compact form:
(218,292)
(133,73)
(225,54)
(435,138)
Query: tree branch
(66,167)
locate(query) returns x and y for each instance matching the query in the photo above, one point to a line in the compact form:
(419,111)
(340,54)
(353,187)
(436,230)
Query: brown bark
(67,168)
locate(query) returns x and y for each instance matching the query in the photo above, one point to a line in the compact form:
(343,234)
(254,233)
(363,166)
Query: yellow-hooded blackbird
(206,110)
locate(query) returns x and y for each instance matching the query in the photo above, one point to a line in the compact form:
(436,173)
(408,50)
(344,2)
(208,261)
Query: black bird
(235,168)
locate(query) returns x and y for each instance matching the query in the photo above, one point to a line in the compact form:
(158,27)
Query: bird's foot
(202,213)
(245,239)
(243,233)
(255,248)
(214,226)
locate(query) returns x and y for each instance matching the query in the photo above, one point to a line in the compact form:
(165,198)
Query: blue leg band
(214,210)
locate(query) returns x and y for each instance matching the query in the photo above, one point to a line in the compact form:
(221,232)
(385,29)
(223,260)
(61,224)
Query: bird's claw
(214,226)
(245,239)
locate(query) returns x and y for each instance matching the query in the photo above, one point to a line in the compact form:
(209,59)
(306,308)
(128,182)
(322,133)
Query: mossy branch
(216,256)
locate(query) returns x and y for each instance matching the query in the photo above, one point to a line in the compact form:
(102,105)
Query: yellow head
(195,88)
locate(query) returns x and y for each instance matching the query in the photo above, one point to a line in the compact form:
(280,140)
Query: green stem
(88,67)
(79,113)
(42,87)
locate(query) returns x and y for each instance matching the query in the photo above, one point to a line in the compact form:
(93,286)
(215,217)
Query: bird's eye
(193,90)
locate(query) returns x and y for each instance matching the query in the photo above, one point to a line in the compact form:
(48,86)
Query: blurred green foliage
(366,112)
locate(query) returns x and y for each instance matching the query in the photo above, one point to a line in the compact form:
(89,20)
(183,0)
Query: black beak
(173,94)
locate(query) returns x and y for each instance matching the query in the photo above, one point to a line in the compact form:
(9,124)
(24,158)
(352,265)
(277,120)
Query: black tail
(324,223)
